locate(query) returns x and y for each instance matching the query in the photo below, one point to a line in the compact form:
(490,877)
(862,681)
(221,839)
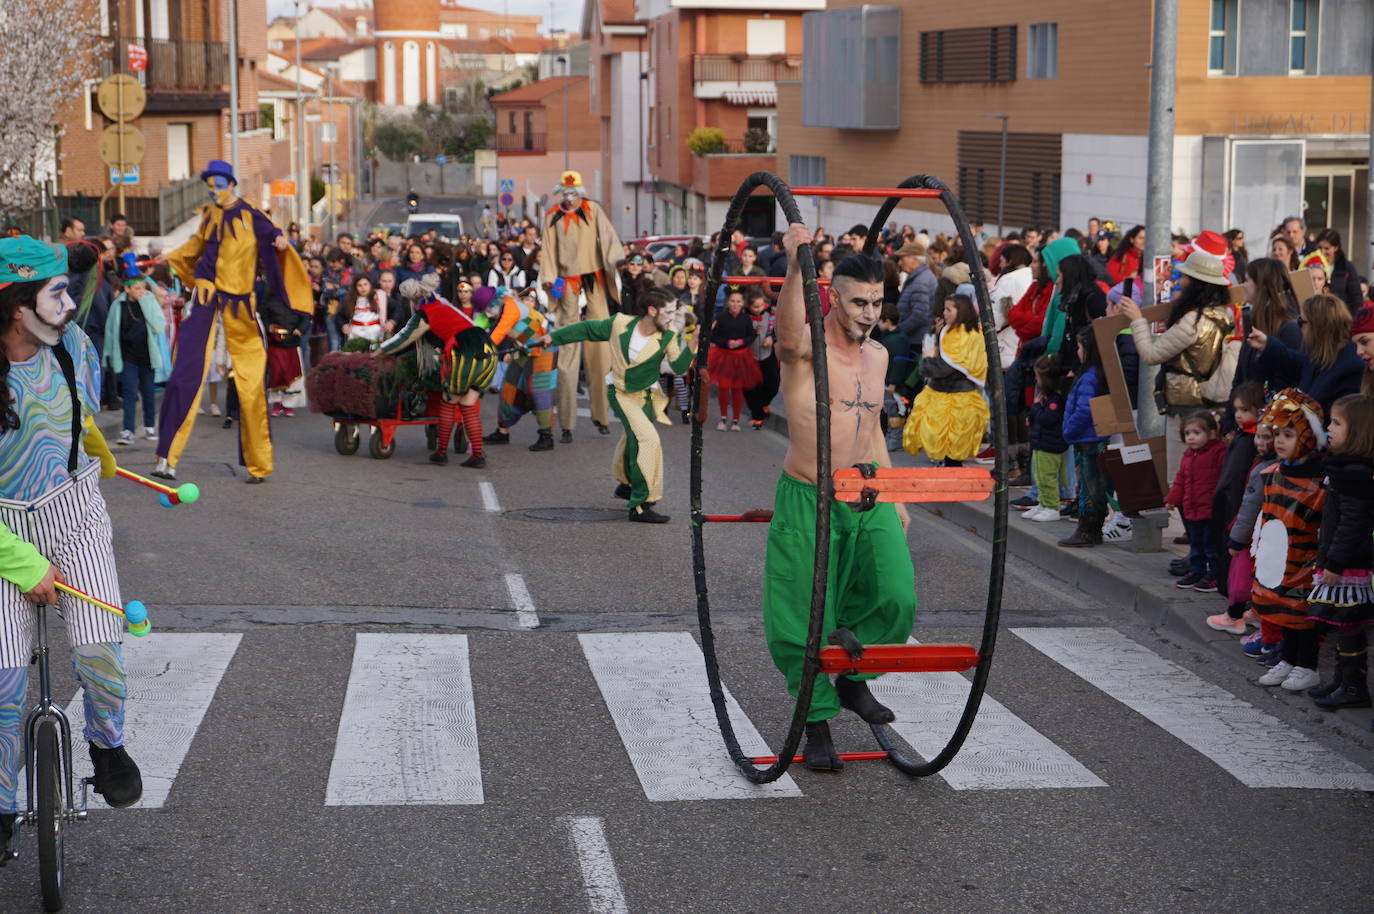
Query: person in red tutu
(285,389)
(731,361)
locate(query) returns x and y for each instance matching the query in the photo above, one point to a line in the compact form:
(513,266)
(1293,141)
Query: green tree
(398,140)
(267,116)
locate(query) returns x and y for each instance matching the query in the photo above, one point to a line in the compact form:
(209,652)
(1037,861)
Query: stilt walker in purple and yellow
(219,263)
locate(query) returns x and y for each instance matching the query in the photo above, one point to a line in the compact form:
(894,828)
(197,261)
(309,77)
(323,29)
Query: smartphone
(1247,322)
(1128,288)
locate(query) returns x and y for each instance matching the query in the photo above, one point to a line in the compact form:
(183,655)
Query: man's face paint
(221,189)
(51,312)
(663,320)
(570,201)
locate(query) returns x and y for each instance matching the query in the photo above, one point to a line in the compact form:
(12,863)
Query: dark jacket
(1047,425)
(1347,516)
(727,327)
(1130,364)
(1345,284)
(1078,414)
(1275,374)
(1326,386)
(276,314)
(914,304)
(899,362)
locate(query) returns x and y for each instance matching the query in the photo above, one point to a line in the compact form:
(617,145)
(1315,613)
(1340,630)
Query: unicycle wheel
(48,782)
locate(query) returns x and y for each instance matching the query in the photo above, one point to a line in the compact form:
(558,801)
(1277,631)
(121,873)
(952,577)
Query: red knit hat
(1364,321)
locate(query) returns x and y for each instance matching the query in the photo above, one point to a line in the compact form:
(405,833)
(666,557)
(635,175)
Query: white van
(446,226)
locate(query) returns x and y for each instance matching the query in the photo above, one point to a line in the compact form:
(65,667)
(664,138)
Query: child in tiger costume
(1286,537)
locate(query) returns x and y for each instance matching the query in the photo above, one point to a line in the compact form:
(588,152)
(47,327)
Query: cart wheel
(347,439)
(460,441)
(374,446)
(48,779)
(431,436)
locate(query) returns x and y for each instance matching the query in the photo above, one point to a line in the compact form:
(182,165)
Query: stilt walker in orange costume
(220,262)
(581,247)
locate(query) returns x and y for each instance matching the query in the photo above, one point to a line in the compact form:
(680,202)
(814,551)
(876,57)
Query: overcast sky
(567,14)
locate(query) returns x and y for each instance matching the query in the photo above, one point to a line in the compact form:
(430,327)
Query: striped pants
(71,527)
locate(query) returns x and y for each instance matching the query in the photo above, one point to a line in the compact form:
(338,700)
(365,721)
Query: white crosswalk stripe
(1002,751)
(172,680)
(1254,747)
(655,686)
(408,732)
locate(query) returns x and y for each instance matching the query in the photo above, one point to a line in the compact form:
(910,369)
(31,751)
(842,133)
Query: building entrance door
(1333,196)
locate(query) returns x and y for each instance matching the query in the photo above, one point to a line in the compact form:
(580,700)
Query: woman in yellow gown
(950,414)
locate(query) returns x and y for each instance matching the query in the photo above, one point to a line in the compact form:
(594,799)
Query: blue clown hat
(131,271)
(219,168)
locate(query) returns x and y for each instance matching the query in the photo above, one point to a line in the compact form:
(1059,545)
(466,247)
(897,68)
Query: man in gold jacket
(219,263)
(581,247)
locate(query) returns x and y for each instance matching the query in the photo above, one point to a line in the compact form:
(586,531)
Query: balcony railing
(737,148)
(741,68)
(521,142)
(174,64)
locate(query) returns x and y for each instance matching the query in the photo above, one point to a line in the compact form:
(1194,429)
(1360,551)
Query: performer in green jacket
(639,344)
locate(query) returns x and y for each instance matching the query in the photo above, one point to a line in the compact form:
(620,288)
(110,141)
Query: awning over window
(766,97)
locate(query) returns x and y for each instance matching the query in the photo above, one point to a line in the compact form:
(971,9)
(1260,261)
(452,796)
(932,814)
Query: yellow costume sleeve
(183,259)
(296,280)
(97,447)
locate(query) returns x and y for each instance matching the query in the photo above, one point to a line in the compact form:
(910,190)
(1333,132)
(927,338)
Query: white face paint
(54,308)
(570,201)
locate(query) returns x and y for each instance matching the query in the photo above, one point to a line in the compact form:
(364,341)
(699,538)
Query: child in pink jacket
(1191,493)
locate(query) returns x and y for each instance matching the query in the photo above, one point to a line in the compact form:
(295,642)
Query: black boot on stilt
(854,696)
(819,752)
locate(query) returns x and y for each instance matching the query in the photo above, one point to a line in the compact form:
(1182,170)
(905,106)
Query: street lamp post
(1002,177)
(234,86)
(302,184)
(567,74)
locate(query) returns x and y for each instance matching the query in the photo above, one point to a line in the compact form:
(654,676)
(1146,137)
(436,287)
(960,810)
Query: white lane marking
(172,678)
(599,878)
(1002,751)
(408,732)
(1254,747)
(489,501)
(520,598)
(654,684)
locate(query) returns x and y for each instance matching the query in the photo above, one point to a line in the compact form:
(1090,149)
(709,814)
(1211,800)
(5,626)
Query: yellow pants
(195,350)
(570,356)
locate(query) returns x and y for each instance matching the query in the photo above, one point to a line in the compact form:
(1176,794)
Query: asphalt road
(334,548)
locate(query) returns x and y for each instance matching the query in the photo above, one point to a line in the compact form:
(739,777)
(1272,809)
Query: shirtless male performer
(871,588)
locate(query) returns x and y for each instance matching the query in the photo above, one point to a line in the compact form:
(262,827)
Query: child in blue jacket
(1080,432)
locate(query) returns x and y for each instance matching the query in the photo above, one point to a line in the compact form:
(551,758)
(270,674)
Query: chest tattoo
(859,406)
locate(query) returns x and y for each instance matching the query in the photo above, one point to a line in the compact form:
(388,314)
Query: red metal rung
(915,484)
(864,192)
(763,281)
(901,658)
(757,516)
(869,756)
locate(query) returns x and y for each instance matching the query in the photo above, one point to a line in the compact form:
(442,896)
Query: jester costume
(53,518)
(633,392)
(531,374)
(582,248)
(219,263)
(454,351)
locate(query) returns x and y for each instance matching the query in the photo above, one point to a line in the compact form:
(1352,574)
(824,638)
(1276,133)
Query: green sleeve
(683,359)
(406,335)
(20,563)
(583,332)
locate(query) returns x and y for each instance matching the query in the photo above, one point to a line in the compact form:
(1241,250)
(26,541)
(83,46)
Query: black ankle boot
(545,442)
(1326,688)
(819,752)
(854,696)
(1353,691)
(6,833)
(116,776)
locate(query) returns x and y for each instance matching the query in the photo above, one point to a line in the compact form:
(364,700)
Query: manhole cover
(574,515)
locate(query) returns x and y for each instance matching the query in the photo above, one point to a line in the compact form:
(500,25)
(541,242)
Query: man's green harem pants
(872,585)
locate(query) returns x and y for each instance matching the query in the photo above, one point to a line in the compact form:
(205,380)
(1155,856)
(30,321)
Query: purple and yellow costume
(220,262)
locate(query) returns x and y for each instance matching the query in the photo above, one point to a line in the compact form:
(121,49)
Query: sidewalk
(1131,581)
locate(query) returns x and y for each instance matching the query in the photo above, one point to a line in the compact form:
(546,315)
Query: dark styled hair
(12,298)
(1250,394)
(968,314)
(1049,375)
(1092,358)
(861,268)
(889,313)
(1196,296)
(1015,256)
(1125,244)
(652,298)
(1203,418)
(1333,238)
(1272,305)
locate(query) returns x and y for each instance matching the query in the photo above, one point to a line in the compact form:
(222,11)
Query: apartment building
(186,120)
(542,130)
(618,89)
(703,65)
(1272,111)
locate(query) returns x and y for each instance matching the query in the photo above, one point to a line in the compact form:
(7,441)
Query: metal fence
(174,64)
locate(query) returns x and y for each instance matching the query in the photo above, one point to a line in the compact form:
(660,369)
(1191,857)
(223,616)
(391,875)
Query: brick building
(1272,118)
(618,89)
(542,129)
